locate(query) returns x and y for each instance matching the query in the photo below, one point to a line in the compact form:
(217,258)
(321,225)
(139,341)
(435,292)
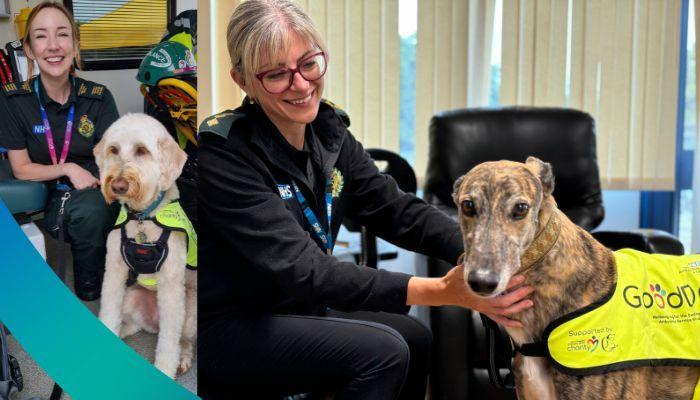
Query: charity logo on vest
(590,340)
(692,267)
(658,297)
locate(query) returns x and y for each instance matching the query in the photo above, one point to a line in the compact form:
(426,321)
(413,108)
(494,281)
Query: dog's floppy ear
(172,160)
(98,152)
(455,189)
(543,171)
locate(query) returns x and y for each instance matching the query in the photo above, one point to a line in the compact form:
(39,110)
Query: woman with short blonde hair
(279,314)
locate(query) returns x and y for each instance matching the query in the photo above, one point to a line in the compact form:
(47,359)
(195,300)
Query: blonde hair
(261,28)
(27,40)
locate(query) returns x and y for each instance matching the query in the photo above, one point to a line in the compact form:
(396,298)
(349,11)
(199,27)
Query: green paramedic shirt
(23,127)
(652,318)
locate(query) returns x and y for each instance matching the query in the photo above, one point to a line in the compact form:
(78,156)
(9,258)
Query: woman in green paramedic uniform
(50,126)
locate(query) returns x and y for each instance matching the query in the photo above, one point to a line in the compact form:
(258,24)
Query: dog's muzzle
(120,186)
(482,282)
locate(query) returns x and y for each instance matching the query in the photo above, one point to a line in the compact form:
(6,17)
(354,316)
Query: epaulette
(340,112)
(89,89)
(16,88)
(220,124)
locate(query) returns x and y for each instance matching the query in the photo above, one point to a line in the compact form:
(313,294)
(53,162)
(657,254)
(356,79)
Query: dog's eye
(520,210)
(468,208)
(141,151)
(113,150)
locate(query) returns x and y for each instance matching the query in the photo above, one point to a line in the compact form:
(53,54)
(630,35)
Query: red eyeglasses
(311,68)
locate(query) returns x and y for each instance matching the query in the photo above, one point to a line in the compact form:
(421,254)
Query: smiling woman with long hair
(50,126)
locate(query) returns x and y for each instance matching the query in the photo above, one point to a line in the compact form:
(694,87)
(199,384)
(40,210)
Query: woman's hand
(79,177)
(497,308)
(451,290)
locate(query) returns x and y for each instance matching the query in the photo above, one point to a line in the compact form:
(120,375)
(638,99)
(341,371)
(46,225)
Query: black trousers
(87,221)
(360,355)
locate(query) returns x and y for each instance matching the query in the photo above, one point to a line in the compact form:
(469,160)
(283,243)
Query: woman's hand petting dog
(79,176)
(498,308)
(451,290)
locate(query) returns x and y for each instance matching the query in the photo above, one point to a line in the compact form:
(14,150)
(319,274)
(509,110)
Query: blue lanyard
(326,237)
(47,128)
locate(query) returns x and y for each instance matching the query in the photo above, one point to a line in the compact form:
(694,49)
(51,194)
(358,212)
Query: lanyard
(325,237)
(47,128)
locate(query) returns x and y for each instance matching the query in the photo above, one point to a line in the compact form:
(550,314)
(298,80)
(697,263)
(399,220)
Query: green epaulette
(220,124)
(340,112)
(16,88)
(89,89)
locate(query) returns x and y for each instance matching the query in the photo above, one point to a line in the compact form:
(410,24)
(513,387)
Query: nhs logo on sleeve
(38,129)
(285,191)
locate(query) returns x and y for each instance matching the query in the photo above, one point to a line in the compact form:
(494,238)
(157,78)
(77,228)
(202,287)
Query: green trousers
(87,220)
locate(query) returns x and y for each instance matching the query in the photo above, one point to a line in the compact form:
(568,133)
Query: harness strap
(500,382)
(57,391)
(133,274)
(535,349)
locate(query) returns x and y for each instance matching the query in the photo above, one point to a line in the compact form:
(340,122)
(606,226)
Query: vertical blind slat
(624,72)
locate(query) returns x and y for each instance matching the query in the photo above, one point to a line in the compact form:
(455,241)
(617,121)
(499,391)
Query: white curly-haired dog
(139,162)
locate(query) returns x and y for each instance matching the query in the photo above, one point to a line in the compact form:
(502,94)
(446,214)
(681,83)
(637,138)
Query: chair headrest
(565,138)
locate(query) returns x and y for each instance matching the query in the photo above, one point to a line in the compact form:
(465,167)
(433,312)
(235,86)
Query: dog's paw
(185,365)
(166,369)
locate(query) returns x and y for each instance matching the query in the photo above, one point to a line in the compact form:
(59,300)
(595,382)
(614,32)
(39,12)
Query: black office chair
(395,166)
(461,139)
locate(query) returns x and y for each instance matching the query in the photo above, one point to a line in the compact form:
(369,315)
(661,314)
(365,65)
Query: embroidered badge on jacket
(86,127)
(336,182)
(285,191)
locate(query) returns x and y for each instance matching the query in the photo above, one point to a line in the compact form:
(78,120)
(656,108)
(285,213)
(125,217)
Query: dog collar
(542,244)
(144,214)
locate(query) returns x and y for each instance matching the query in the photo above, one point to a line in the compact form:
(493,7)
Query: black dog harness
(144,258)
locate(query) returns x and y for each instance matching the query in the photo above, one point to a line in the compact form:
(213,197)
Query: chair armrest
(20,196)
(646,240)
(23,196)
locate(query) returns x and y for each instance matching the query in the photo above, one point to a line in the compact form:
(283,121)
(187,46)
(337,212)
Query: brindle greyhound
(511,225)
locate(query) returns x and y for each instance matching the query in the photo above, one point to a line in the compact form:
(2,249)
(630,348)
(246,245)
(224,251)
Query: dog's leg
(171,307)
(139,311)
(114,285)
(189,330)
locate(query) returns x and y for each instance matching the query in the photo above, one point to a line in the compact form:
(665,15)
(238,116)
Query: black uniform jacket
(22,126)
(256,252)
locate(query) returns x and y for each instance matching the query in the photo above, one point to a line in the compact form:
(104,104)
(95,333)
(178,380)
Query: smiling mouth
(54,60)
(302,101)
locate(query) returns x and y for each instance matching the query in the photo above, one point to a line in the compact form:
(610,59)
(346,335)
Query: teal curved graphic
(63,336)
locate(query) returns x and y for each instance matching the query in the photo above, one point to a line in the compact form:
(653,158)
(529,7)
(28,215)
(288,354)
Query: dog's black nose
(120,186)
(483,284)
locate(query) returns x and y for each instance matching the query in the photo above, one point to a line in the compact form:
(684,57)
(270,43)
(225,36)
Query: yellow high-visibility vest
(651,318)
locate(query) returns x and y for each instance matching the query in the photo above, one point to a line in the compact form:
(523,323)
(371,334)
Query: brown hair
(27,41)
(260,28)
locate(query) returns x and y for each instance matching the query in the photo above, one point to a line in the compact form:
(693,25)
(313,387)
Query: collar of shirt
(46,100)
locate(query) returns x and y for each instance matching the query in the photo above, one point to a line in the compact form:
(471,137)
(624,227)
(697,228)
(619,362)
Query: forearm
(426,292)
(39,172)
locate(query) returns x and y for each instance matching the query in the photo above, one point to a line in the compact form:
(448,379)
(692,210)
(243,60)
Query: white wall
(123,85)
(184,5)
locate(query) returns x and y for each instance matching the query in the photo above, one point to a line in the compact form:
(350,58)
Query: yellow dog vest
(651,318)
